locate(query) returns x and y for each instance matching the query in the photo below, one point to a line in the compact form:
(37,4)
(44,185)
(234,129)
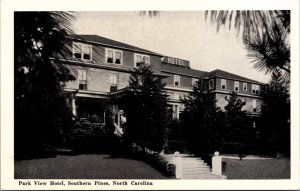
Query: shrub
(88,134)
(154,159)
(174,145)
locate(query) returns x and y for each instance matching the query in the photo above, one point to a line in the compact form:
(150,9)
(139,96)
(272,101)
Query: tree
(41,112)
(145,108)
(270,49)
(265,35)
(202,120)
(250,21)
(276,113)
(236,117)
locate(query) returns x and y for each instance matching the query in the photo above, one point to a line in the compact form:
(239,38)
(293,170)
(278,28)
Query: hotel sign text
(175,61)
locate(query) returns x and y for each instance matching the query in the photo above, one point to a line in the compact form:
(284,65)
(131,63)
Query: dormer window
(244,86)
(110,56)
(223,84)
(140,59)
(82,51)
(236,86)
(113,56)
(255,89)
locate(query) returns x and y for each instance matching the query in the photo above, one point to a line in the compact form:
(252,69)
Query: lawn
(257,168)
(90,166)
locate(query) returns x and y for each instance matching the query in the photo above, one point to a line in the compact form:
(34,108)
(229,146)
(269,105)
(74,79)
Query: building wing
(223,74)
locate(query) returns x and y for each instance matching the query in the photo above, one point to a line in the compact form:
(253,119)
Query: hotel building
(103,67)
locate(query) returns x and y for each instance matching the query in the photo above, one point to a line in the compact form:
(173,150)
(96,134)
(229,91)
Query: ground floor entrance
(100,109)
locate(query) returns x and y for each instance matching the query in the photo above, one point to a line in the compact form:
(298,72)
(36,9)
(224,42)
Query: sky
(181,34)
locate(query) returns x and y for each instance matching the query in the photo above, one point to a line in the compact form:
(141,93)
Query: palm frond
(268,49)
(246,20)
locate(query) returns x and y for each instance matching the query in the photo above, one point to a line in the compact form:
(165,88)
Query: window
(82,79)
(140,59)
(113,82)
(223,84)
(113,56)
(236,86)
(109,56)
(244,86)
(118,56)
(254,105)
(82,51)
(175,109)
(211,84)
(255,89)
(194,81)
(176,80)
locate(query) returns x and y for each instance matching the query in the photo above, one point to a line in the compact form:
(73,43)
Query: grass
(257,168)
(90,166)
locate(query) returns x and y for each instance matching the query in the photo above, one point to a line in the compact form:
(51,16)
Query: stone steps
(193,167)
(196,166)
(198,170)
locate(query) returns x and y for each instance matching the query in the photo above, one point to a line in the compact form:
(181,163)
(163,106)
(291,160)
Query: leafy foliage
(250,21)
(270,49)
(91,134)
(238,126)
(42,115)
(145,107)
(276,112)
(265,35)
(154,159)
(175,130)
(202,120)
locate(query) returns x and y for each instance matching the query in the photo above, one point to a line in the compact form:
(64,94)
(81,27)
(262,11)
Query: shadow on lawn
(258,168)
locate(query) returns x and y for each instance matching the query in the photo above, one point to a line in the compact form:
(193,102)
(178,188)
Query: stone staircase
(193,167)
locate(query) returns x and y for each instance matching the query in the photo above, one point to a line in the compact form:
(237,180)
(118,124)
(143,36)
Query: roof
(169,68)
(224,74)
(112,43)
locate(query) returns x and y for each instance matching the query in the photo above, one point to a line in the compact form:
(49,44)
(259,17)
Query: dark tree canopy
(145,108)
(41,111)
(238,127)
(276,113)
(202,120)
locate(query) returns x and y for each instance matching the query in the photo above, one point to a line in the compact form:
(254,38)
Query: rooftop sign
(176,61)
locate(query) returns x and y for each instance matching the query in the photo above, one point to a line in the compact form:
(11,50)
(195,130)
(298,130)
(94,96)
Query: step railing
(216,164)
